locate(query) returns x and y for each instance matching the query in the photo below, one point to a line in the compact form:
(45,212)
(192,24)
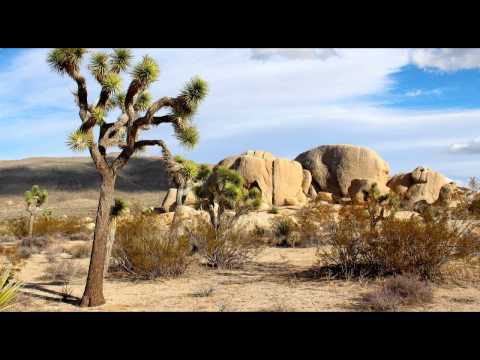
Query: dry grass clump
(53,253)
(394,246)
(313,222)
(285,232)
(143,250)
(7,238)
(80,251)
(81,236)
(226,248)
(395,292)
(44,225)
(29,246)
(63,271)
(204,292)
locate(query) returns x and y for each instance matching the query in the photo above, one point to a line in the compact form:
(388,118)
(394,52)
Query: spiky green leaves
(147,71)
(253,197)
(36,196)
(225,175)
(100,68)
(65,60)
(118,207)
(226,187)
(232,192)
(99,65)
(189,168)
(142,101)
(112,82)
(79,141)
(188,136)
(98,114)
(195,91)
(119,100)
(9,290)
(120,60)
(204,172)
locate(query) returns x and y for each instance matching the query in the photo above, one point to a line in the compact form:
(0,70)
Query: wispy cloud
(447,59)
(293,53)
(420,92)
(471,147)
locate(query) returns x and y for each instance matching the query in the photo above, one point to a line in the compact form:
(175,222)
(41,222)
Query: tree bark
(93,294)
(179,198)
(30,224)
(110,241)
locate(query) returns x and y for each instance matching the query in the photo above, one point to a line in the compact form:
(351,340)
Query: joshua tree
(379,206)
(118,209)
(138,113)
(34,198)
(225,189)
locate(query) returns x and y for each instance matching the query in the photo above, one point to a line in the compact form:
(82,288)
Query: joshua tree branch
(136,124)
(98,159)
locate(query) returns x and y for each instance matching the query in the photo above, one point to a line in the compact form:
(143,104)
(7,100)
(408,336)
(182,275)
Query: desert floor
(277,280)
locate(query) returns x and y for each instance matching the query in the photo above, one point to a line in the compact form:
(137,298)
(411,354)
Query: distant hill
(73,183)
(78,174)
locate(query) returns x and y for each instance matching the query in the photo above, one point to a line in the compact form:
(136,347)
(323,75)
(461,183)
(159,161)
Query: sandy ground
(272,282)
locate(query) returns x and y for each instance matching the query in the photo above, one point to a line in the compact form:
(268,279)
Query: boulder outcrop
(281,181)
(420,184)
(333,167)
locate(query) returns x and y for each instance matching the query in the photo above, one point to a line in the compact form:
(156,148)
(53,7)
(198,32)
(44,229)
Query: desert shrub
(225,248)
(204,292)
(80,251)
(23,252)
(63,271)
(258,232)
(7,238)
(9,289)
(80,237)
(53,252)
(44,225)
(38,242)
(313,221)
(402,290)
(285,231)
(396,246)
(144,250)
(33,245)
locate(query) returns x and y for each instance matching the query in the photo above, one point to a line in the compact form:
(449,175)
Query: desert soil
(272,282)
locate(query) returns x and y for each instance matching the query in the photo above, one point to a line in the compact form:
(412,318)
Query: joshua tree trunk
(31,220)
(110,241)
(93,295)
(179,198)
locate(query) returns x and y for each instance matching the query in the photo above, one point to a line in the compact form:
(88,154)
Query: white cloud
(420,92)
(446,59)
(293,53)
(471,147)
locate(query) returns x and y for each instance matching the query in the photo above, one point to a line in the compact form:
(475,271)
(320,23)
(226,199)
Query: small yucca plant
(8,290)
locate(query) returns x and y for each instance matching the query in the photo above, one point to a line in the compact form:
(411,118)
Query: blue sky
(413,106)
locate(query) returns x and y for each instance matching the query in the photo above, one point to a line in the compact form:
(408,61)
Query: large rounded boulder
(281,181)
(333,167)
